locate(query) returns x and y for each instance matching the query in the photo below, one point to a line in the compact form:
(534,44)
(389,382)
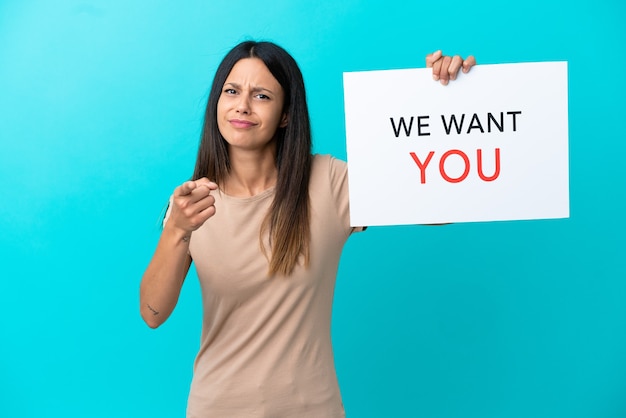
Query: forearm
(164,276)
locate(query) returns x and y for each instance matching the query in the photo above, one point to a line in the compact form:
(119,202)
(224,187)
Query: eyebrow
(254,89)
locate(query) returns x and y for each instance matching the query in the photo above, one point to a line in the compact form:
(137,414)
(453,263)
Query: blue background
(100,110)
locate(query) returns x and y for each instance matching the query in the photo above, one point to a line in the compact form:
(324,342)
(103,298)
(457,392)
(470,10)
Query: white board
(497,138)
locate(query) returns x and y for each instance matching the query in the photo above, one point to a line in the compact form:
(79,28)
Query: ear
(283,120)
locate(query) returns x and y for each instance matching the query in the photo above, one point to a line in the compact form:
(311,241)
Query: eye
(262,96)
(230,91)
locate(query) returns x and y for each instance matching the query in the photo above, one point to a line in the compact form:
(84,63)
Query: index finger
(186,188)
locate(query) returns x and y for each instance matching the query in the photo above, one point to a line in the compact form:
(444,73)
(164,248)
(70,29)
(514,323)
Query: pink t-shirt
(265,349)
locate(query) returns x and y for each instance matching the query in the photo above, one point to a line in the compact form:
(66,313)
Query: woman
(265,223)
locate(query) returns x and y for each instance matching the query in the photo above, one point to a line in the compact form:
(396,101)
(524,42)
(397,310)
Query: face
(250,107)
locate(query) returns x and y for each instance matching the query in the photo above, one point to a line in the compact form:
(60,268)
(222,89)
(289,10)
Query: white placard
(492,145)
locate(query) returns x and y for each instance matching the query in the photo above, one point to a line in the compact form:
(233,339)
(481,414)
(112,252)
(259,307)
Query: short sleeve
(338,173)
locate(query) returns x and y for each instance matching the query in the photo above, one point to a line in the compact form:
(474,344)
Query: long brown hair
(288,216)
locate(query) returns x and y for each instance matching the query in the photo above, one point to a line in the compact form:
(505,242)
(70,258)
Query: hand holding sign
(446,68)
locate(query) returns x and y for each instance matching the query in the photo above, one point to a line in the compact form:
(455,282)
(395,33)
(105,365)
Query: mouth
(241,124)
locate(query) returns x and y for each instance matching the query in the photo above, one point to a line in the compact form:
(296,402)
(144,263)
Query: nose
(243,106)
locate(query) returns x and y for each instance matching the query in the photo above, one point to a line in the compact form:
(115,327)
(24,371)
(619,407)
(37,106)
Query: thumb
(207,183)
(431,58)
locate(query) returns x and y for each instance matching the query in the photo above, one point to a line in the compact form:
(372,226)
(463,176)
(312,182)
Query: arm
(192,205)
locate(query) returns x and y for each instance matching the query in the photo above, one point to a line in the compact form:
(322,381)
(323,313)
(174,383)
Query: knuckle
(186,211)
(183,204)
(196,222)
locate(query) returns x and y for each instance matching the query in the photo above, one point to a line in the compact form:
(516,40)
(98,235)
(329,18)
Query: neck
(251,173)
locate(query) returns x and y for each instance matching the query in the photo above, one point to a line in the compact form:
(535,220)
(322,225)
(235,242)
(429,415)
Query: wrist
(176,234)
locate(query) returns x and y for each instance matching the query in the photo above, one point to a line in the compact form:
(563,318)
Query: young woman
(265,222)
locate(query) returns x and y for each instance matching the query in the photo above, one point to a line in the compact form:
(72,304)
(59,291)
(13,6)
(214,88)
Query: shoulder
(330,174)
(327,165)
(329,183)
